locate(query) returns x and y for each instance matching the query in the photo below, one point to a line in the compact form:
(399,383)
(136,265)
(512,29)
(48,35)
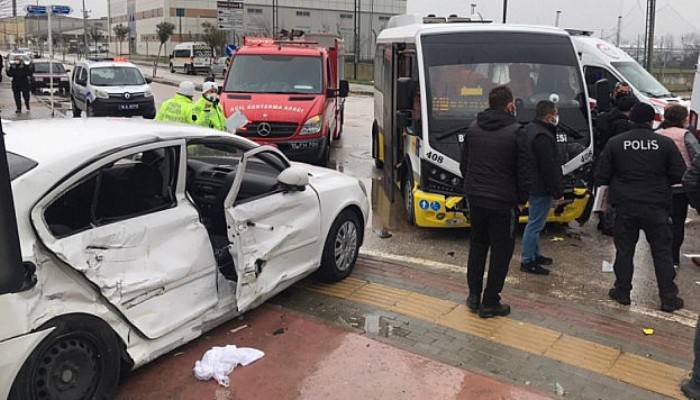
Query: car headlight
(100,94)
(147,94)
(311,126)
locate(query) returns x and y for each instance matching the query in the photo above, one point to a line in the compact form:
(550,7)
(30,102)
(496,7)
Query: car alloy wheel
(345,245)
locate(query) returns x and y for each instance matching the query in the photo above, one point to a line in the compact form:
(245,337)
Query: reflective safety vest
(176,109)
(209,115)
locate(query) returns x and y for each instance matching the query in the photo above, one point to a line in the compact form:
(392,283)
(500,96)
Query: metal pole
(505,10)
(649,35)
(85,40)
(556,21)
(48,16)
(109,27)
(356,38)
(619,28)
(11,273)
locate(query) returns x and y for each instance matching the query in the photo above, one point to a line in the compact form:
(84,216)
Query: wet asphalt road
(578,251)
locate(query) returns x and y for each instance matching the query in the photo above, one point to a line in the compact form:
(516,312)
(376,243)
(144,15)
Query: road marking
(635,370)
(683,317)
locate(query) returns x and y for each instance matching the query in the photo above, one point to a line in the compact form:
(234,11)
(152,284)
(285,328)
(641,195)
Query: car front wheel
(78,360)
(341,248)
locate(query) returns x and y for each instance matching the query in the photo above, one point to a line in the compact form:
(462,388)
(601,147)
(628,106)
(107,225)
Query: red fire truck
(291,92)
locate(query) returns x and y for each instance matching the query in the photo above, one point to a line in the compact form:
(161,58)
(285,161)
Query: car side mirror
(602,94)
(343,88)
(220,90)
(294,179)
(68,71)
(405,92)
(149,80)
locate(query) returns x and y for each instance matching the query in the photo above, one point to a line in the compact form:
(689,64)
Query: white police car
(111,88)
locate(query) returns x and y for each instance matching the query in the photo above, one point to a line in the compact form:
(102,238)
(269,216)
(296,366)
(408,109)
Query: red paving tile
(311,360)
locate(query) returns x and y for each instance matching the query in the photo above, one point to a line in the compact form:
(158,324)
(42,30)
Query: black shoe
(542,260)
(691,389)
(622,298)
(28,108)
(672,305)
(473,303)
(19,111)
(497,310)
(534,268)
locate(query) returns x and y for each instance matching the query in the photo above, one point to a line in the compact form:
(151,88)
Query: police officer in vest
(640,167)
(179,107)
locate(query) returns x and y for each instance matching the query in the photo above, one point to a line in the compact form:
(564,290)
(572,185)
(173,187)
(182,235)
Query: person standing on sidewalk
(548,184)
(21,70)
(2,65)
(179,107)
(496,170)
(675,127)
(640,167)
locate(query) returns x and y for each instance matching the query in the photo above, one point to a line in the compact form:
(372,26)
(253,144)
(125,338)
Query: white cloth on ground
(219,362)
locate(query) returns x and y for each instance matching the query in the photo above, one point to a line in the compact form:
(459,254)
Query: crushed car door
(125,224)
(275,233)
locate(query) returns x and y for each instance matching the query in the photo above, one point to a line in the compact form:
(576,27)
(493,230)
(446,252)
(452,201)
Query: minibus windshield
(461,69)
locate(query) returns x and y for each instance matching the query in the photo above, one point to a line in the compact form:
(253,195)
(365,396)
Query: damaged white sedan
(138,237)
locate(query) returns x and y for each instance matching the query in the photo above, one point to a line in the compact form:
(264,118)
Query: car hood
(320,175)
(123,89)
(273,107)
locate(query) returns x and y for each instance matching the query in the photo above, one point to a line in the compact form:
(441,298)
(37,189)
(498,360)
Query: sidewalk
(7,105)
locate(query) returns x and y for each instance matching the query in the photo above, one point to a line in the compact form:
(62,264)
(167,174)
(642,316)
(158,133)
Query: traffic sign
(230,15)
(36,10)
(179,12)
(230,48)
(62,10)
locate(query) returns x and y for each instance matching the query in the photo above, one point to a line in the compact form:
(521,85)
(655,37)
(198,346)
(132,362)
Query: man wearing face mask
(548,184)
(496,170)
(207,109)
(20,70)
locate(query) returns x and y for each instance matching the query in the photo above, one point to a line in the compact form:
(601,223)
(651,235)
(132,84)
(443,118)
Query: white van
(603,60)
(190,58)
(695,101)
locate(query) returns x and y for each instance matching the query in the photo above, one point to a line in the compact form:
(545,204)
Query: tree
(120,32)
(214,38)
(164,31)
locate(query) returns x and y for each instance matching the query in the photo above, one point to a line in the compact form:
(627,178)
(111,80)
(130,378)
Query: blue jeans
(538,209)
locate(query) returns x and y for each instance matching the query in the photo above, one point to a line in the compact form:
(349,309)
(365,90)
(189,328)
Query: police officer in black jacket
(21,71)
(496,170)
(640,167)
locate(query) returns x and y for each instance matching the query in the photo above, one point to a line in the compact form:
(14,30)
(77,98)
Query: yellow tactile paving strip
(630,368)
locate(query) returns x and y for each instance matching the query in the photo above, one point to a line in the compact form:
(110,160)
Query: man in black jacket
(640,167)
(548,184)
(691,184)
(495,166)
(21,70)
(1,67)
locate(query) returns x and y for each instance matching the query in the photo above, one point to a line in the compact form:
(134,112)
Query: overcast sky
(673,16)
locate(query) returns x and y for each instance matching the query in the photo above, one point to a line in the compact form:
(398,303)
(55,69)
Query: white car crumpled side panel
(149,264)
(280,248)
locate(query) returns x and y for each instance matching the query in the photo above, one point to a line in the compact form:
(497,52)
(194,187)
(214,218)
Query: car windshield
(116,76)
(43,68)
(201,52)
(462,68)
(19,165)
(641,79)
(275,74)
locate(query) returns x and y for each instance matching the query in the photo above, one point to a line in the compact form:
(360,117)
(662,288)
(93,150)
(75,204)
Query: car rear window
(19,165)
(43,68)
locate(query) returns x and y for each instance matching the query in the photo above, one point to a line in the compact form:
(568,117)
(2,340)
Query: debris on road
(648,331)
(607,266)
(559,389)
(279,331)
(238,329)
(219,362)
(557,239)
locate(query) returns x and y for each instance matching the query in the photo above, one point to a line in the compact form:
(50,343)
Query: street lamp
(556,21)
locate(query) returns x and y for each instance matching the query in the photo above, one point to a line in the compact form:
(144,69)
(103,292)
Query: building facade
(312,16)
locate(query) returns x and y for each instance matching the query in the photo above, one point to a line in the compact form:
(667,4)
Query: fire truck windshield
(461,69)
(275,74)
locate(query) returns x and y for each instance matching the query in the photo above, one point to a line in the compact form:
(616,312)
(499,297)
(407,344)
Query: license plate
(303,145)
(127,107)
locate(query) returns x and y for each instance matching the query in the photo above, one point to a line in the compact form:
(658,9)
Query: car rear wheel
(408,198)
(341,248)
(79,359)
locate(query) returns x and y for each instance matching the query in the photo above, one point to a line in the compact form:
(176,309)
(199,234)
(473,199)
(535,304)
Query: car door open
(274,228)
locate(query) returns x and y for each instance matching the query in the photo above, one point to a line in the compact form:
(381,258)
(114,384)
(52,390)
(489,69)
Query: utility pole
(109,27)
(505,10)
(556,20)
(473,5)
(356,37)
(619,28)
(85,39)
(275,19)
(649,35)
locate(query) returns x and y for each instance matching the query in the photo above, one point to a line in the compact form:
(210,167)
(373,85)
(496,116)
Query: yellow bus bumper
(432,210)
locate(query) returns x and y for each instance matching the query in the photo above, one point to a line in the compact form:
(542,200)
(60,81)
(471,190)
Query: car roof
(98,64)
(50,141)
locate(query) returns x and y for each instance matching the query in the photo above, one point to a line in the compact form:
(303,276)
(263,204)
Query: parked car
(141,236)
(43,76)
(108,88)
(191,58)
(26,51)
(219,67)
